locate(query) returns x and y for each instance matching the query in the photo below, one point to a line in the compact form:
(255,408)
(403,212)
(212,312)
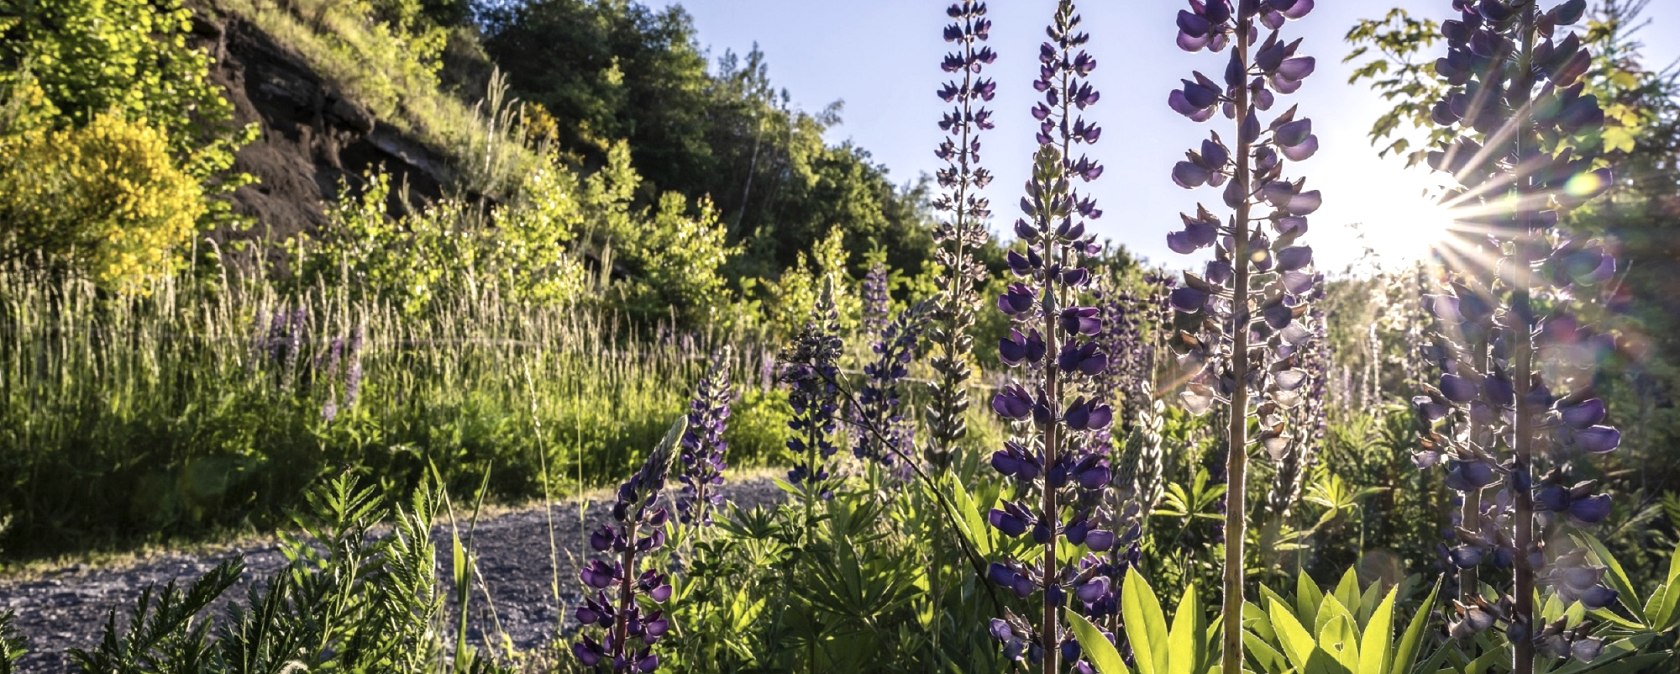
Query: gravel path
(66,608)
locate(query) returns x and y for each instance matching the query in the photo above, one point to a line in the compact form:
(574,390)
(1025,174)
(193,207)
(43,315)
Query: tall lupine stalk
(638,528)
(877,303)
(1060,453)
(1058,469)
(1134,447)
(704,451)
(1516,86)
(885,435)
(1250,302)
(964,228)
(810,369)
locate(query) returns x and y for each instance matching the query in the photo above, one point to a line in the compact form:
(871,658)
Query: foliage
(127,59)
(628,71)
(105,201)
(228,398)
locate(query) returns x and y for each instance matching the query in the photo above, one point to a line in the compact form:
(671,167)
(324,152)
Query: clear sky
(882,58)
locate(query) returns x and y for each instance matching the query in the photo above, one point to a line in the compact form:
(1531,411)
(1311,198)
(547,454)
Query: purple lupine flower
(1295,453)
(1059,468)
(628,631)
(964,228)
(877,303)
(880,401)
(810,369)
(704,449)
(1494,419)
(1236,319)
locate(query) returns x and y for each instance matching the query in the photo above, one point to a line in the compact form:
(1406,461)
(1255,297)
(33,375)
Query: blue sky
(882,58)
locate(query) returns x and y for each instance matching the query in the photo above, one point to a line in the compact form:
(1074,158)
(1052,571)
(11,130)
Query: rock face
(312,137)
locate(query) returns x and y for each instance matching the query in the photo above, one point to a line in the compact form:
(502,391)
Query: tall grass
(215,402)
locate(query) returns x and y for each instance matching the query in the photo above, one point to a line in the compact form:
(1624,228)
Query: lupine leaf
(1146,626)
(1297,643)
(1183,642)
(1339,634)
(1412,640)
(1376,647)
(1262,652)
(1096,647)
(1307,598)
(1347,590)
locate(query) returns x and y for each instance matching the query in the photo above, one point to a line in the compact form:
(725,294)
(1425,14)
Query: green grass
(128,420)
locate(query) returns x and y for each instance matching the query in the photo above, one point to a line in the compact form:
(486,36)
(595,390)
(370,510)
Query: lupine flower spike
(615,612)
(1524,158)
(1058,459)
(703,448)
(964,228)
(1238,318)
(877,303)
(886,435)
(810,369)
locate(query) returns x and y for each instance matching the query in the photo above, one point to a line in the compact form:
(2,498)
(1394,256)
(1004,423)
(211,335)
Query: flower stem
(1051,621)
(1236,460)
(1523,367)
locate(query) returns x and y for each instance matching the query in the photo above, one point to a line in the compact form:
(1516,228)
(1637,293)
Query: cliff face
(312,137)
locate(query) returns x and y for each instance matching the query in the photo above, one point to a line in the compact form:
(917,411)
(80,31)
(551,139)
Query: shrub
(105,201)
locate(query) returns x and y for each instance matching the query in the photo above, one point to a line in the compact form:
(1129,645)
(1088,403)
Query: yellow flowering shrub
(105,200)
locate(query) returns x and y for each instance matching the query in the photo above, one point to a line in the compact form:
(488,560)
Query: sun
(1400,223)
(1406,229)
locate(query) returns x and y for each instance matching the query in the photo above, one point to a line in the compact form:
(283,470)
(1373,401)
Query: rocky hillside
(312,135)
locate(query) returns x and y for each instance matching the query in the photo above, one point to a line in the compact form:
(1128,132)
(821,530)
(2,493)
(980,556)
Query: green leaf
(1412,640)
(1259,650)
(1186,637)
(1146,626)
(1376,650)
(1307,598)
(1297,643)
(1347,591)
(1338,633)
(1097,648)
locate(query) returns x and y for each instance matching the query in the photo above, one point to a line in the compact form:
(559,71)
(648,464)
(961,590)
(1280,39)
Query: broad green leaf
(1368,602)
(1324,662)
(1552,609)
(1307,598)
(1340,635)
(1184,642)
(1261,651)
(1412,640)
(1255,620)
(1146,626)
(1297,643)
(1668,613)
(1097,648)
(1376,650)
(1347,590)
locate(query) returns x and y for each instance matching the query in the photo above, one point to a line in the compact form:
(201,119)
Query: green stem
(1236,460)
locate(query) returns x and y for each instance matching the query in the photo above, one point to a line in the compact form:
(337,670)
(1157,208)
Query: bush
(105,201)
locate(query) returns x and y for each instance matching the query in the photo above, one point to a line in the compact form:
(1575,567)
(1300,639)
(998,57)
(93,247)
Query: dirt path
(67,608)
